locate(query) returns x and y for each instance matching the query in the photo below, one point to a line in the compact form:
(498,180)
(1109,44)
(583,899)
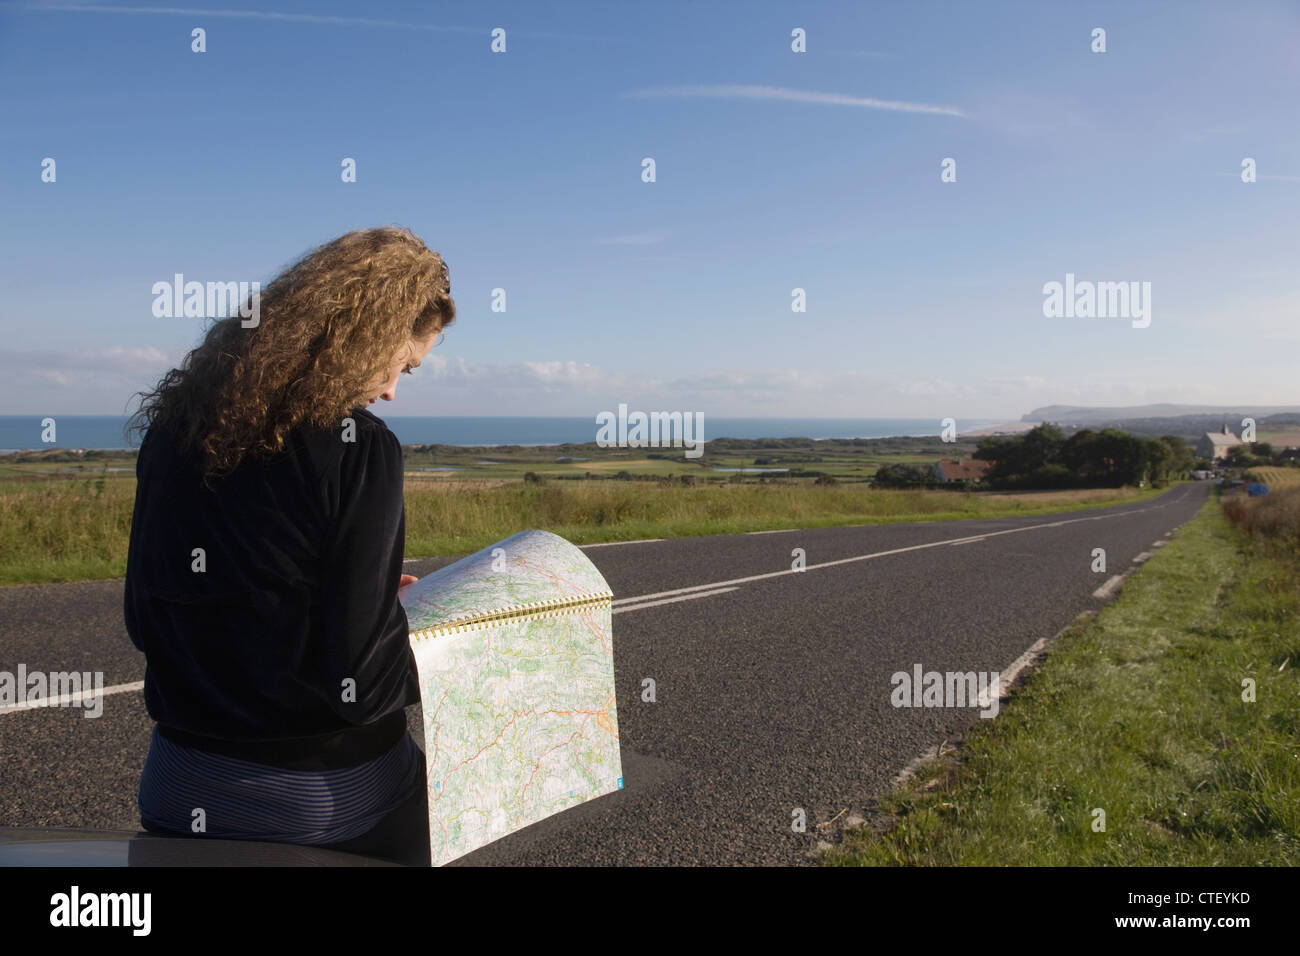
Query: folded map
(514,646)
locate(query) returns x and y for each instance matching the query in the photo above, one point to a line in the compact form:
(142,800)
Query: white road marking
(1107,589)
(781,531)
(606,544)
(672,600)
(862,557)
(601,544)
(71,700)
(1145,555)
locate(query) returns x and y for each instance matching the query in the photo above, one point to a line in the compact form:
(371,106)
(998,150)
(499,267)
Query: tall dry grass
(1273,520)
(64,530)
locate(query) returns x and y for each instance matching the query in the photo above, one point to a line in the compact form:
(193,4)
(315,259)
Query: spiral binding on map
(553,607)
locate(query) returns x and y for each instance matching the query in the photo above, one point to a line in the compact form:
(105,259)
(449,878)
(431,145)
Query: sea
(24,432)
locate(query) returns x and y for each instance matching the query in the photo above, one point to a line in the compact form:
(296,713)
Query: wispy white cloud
(736,91)
(274,15)
(111,358)
(238,14)
(105,380)
(566,387)
(85,381)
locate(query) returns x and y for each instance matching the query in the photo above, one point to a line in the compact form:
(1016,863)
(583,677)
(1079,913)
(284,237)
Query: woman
(266,554)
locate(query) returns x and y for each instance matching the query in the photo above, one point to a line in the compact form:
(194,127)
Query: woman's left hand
(406,579)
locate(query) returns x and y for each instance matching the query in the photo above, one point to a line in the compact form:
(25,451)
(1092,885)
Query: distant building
(962,470)
(1216,445)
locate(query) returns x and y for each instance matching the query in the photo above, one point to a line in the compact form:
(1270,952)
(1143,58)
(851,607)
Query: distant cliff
(1076,415)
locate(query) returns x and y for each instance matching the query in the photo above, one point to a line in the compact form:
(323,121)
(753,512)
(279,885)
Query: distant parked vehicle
(1256,490)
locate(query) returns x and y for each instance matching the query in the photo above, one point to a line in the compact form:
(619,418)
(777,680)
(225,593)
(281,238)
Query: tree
(1079,453)
(1019,457)
(1181,459)
(904,476)
(1043,444)
(1128,455)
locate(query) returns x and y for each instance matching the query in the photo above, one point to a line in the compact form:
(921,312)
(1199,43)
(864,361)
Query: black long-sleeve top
(301,553)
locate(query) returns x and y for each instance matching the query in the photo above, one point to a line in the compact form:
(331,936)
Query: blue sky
(775,170)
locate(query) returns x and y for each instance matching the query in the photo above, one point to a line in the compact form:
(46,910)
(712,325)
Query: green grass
(1138,712)
(461,519)
(513,463)
(79,529)
(64,530)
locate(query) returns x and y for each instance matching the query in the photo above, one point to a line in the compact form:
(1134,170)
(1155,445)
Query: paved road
(773,687)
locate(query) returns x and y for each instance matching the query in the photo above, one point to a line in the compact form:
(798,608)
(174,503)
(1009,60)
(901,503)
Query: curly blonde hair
(329,325)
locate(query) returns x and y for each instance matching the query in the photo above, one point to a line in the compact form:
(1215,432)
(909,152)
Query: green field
(843,459)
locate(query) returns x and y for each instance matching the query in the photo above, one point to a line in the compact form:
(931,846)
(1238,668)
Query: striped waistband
(195,793)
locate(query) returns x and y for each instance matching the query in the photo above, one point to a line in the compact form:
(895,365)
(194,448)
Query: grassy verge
(1140,713)
(78,529)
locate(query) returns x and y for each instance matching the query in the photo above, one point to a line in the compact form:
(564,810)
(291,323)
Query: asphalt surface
(770,697)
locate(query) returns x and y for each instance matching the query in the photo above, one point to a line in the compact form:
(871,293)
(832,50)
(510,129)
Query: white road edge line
(1005,679)
(1107,589)
(1012,672)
